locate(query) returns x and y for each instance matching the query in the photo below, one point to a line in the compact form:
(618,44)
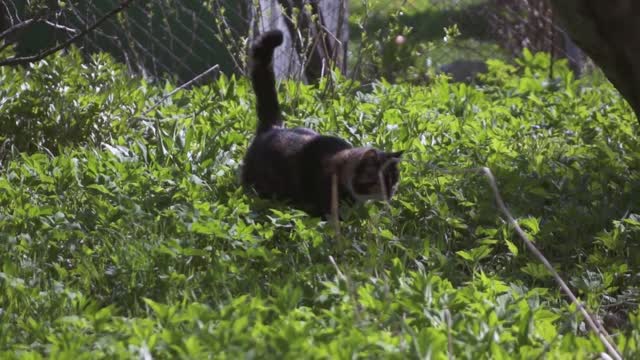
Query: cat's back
(287,162)
(270,162)
(281,143)
(291,147)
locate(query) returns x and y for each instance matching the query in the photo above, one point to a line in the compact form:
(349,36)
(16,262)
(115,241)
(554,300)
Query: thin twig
(338,271)
(594,325)
(9,12)
(44,53)
(61,27)
(447,318)
(19,26)
(601,332)
(159,102)
(80,18)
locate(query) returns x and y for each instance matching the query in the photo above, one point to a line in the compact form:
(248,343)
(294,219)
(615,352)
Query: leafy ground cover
(435,33)
(127,236)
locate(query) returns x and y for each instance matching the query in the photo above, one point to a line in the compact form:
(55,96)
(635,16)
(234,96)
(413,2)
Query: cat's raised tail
(264,81)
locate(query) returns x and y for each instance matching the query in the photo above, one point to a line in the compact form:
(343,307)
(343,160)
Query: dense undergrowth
(128,236)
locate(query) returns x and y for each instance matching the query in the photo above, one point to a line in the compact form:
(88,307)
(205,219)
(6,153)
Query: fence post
(315,35)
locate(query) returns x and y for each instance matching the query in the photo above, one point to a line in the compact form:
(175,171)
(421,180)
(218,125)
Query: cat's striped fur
(297,164)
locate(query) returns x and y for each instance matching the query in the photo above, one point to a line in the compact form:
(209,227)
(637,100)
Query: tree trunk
(608,31)
(315,35)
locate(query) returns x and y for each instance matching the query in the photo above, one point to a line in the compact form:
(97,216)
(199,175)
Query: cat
(297,165)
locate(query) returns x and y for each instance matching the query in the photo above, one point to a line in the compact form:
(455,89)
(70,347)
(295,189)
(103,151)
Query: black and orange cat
(297,165)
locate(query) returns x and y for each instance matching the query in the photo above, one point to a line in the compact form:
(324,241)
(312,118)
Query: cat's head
(361,174)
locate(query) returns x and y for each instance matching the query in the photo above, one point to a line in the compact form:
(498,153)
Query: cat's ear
(369,155)
(397,154)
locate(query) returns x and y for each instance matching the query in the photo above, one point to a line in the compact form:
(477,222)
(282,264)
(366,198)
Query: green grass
(423,24)
(426,19)
(410,7)
(123,236)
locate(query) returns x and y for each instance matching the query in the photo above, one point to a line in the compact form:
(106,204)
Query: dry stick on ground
(44,53)
(595,326)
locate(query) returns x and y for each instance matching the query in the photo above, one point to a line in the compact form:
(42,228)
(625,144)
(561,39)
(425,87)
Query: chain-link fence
(183,38)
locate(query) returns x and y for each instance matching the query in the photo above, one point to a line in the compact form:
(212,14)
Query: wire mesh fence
(183,38)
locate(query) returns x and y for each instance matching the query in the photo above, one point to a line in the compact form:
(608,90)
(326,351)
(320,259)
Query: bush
(145,244)
(62,101)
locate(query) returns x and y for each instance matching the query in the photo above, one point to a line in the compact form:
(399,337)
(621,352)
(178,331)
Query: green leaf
(512,247)
(100,188)
(532,224)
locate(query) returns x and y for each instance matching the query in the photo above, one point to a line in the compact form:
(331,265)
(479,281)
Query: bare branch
(19,26)
(61,27)
(42,17)
(44,53)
